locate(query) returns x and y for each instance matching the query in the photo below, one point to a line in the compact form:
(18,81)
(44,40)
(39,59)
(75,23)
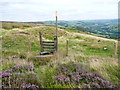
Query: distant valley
(104,28)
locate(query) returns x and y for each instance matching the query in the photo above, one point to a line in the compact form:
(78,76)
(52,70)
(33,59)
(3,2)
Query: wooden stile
(48,47)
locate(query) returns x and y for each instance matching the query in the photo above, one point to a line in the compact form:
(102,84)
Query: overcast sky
(41,10)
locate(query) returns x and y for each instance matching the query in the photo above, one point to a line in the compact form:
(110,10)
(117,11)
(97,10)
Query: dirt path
(87,35)
(96,37)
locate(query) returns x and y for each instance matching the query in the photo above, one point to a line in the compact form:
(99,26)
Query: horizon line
(54,20)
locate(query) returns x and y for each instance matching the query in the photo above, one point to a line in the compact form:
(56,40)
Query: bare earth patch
(21,33)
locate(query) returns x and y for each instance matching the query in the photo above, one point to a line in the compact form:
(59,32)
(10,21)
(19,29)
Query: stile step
(48,42)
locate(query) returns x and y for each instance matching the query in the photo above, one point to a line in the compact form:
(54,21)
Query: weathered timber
(49,50)
(48,42)
(56,43)
(44,57)
(48,47)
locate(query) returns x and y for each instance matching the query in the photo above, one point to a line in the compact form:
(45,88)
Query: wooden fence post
(41,47)
(66,47)
(115,48)
(29,44)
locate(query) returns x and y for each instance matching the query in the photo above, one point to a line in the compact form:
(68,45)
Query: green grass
(81,50)
(9,25)
(7,65)
(113,72)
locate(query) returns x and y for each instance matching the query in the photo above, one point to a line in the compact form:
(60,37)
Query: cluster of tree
(104,28)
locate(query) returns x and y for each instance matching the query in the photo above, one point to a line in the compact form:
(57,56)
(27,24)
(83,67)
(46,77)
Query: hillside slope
(92,36)
(20,46)
(105,28)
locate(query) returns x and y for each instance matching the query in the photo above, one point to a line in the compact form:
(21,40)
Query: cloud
(34,10)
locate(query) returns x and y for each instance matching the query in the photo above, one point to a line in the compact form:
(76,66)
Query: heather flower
(24,85)
(96,85)
(75,74)
(21,67)
(30,68)
(89,74)
(19,74)
(97,78)
(74,78)
(5,73)
(69,73)
(86,86)
(8,71)
(97,74)
(107,84)
(14,56)
(16,67)
(67,79)
(60,78)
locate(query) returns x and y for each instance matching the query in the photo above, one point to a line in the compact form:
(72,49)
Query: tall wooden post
(55,43)
(56,32)
(56,23)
